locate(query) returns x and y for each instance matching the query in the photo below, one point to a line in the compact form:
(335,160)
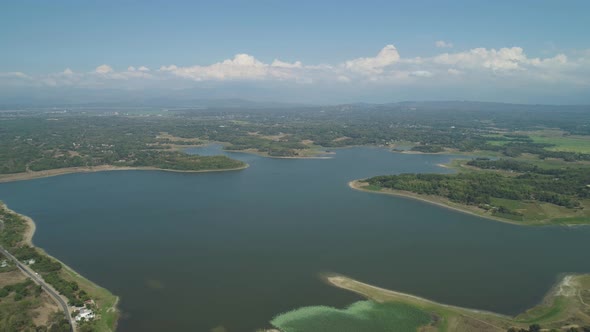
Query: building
(85,314)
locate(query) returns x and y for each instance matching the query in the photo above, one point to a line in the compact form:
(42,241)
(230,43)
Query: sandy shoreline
(31,226)
(356,184)
(349,283)
(102,168)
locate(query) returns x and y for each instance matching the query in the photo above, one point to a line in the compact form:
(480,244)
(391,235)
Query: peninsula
(507,190)
(564,308)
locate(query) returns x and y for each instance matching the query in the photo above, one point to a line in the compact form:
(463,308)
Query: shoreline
(355,184)
(265,155)
(28,240)
(567,289)
(341,281)
(23,176)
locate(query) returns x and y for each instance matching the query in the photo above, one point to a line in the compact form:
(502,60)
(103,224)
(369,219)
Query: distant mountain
(197,98)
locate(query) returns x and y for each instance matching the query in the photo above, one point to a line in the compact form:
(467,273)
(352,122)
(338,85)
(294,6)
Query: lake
(195,251)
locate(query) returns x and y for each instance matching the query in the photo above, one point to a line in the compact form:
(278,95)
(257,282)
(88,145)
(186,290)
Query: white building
(85,314)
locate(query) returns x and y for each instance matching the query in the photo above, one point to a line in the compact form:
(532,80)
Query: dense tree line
(12,228)
(11,238)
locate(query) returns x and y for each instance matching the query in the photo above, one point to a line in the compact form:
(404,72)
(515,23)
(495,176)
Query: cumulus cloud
(281,64)
(374,65)
(502,59)
(386,67)
(443,44)
(103,69)
(242,67)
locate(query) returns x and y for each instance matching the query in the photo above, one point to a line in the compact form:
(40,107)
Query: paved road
(48,288)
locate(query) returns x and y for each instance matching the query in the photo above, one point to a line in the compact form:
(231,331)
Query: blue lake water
(195,251)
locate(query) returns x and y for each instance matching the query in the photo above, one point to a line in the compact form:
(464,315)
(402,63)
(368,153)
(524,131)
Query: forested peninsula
(509,190)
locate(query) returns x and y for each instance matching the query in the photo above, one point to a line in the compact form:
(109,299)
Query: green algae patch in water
(360,316)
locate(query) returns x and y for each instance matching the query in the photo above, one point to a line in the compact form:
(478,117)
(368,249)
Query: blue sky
(42,39)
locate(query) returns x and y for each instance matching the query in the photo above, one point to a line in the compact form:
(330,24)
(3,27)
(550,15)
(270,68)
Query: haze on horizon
(376,51)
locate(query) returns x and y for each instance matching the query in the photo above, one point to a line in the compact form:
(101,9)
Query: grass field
(559,139)
(579,144)
(360,316)
(536,212)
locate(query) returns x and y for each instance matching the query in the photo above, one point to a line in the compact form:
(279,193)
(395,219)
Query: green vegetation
(13,228)
(15,314)
(508,189)
(21,304)
(37,140)
(21,290)
(105,302)
(428,148)
(36,144)
(69,284)
(562,142)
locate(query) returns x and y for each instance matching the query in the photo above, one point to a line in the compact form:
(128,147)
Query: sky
(303,51)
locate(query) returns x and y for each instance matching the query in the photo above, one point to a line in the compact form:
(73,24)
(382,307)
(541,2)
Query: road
(46,287)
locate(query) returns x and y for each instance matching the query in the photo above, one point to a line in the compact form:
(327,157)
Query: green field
(360,316)
(559,140)
(579,144)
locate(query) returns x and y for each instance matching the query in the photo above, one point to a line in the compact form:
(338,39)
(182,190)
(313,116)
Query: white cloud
(443,44)
(469,67)
(15,74)
(375,65)
(141,69)
(103,69)
(281,64)
(241,67)
(502,59)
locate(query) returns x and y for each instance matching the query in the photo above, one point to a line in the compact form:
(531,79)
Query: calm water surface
(197,251)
